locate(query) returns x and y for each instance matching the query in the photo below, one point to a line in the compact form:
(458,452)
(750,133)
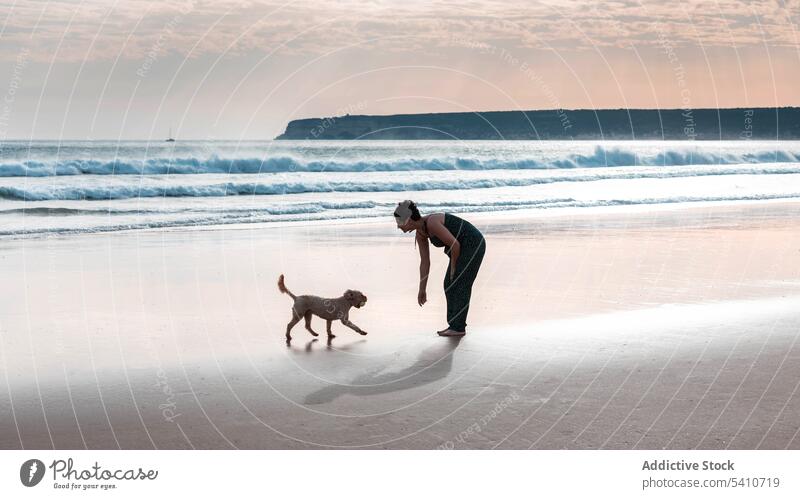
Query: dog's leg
(352,326)
(308,323)
(295,320)
(328,328)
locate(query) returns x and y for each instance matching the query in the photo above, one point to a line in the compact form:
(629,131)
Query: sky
(240,70)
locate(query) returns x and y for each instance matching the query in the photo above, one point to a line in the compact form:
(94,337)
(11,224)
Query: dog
(330,309)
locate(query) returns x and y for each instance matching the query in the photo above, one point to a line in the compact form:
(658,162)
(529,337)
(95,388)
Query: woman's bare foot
(450,332)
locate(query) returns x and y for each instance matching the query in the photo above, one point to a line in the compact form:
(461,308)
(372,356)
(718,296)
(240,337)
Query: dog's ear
(348,295)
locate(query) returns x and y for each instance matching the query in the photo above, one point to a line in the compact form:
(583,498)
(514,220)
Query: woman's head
(406,214)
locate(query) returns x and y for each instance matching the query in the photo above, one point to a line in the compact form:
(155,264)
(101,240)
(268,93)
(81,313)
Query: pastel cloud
(224,68)
(75,31)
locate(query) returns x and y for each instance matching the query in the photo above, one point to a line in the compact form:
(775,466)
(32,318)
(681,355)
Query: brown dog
(330,309)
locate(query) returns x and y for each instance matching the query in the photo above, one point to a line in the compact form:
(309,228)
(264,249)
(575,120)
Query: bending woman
(462,243)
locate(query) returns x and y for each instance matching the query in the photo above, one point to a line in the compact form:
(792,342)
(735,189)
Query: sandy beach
(624,328)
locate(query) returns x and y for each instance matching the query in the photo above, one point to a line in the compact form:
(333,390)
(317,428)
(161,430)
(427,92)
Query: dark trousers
(459,290)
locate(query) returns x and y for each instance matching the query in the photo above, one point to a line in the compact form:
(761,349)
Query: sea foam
(601,156)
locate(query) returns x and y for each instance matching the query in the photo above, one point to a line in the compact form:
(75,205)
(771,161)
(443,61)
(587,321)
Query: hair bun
(415,215)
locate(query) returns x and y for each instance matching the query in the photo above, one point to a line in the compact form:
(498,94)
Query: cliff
(612,124)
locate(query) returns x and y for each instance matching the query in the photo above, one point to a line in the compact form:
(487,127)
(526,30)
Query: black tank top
(464,232)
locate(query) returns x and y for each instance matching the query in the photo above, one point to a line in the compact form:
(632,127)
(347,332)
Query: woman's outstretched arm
(424,268)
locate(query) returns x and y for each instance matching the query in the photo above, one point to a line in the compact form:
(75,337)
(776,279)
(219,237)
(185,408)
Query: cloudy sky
(241,69)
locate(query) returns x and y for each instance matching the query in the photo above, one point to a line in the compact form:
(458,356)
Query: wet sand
(624,328)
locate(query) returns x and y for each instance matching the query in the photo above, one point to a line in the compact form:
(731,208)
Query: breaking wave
(156,187)
(602,156)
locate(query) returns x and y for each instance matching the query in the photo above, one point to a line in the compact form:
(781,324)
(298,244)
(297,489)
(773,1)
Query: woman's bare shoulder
(435,217)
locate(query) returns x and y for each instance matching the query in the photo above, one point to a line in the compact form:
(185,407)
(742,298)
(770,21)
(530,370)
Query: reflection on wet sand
(432,364)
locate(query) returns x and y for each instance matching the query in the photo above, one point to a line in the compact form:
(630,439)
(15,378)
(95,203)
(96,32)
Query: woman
(465,246)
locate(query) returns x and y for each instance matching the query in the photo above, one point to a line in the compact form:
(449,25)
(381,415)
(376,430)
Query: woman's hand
(422,297)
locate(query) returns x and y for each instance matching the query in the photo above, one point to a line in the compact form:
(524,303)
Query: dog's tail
(283,287)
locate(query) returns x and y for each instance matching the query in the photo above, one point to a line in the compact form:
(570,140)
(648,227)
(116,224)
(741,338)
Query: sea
(55,188)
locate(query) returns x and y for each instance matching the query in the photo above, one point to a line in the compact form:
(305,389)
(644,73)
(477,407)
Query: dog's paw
(331,336)
(314,334)
(362,333)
